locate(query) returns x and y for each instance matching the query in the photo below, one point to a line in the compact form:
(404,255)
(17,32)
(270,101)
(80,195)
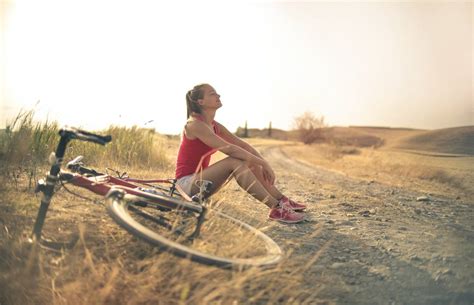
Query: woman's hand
(268,174)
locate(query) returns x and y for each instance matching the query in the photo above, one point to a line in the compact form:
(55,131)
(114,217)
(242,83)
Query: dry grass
(25,145)
(109,266)
(352,151)
(342,136)
(394,167)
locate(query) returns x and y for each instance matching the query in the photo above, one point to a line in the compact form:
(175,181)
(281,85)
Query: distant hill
(352,137)
(365,136)
(390,135)
(457,140)
(336,135)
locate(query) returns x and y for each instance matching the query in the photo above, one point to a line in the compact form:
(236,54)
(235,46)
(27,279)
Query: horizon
(2,128)
(398,65)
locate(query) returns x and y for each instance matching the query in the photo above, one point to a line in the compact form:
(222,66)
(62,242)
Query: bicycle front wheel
(221,240)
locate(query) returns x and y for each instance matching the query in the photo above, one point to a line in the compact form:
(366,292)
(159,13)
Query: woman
(202,136)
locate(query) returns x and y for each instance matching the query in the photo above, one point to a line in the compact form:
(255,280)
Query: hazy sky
(96,63)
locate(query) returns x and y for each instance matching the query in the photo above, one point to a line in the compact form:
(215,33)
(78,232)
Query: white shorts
(186,183)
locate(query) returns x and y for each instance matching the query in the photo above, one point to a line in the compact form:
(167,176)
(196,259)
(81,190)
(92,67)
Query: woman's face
(211,98)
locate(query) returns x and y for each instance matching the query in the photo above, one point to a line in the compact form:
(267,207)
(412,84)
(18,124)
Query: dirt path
(380,244)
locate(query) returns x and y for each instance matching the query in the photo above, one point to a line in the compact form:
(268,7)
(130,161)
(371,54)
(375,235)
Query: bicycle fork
(47,190)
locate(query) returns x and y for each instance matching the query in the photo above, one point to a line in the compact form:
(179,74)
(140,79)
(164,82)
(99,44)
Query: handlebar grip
(74,133)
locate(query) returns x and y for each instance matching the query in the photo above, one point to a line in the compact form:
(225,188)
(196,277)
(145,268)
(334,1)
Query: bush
(310,128)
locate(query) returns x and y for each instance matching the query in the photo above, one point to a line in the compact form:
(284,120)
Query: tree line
(308,128)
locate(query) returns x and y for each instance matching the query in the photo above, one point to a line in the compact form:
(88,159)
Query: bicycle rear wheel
(222,241)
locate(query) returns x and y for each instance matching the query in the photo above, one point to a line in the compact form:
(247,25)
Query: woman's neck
(207,116)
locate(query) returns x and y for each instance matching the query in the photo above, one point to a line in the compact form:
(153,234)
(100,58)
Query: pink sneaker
(295,206)
(285,215)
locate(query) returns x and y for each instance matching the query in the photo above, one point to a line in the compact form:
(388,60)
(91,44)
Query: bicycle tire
(123,210)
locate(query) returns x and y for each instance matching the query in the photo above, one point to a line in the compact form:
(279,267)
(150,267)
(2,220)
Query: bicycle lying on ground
(158,212)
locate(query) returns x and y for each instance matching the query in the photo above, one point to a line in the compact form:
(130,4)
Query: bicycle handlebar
(74,133)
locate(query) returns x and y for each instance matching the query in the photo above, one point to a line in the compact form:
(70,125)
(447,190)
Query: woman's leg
(219,172)
(258,172)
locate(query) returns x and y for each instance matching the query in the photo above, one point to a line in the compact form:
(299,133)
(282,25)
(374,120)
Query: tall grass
(130,147)
(26,144)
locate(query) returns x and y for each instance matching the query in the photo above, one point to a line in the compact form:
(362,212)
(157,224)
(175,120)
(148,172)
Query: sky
(91,64)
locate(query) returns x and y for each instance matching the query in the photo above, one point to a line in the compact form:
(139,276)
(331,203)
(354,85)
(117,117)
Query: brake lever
(75,163)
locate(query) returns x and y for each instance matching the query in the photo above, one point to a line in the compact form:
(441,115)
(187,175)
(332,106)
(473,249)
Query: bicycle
(158,212)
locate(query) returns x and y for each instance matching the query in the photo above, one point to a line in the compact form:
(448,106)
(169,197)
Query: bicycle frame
(103,184)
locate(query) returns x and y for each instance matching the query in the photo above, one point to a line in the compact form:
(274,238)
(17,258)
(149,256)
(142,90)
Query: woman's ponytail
(192,98)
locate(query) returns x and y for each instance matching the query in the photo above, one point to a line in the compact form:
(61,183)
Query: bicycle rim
(224,241)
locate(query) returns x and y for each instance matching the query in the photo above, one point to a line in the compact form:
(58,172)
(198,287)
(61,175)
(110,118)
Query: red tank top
(193,155)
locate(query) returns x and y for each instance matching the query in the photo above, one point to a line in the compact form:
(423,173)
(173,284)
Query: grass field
(395,167)
(439,160)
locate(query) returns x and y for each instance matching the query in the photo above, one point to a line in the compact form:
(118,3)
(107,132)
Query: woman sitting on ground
(202,136)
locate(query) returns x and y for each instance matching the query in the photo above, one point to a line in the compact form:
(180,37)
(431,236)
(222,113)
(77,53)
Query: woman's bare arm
(231,138)
(202,131)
